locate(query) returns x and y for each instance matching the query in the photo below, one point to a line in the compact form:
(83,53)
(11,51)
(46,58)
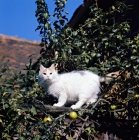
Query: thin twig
(96,122)
(81,118)
(118,110)
(96,4)
(60,116)
(82,127)
(70,123)
(41,103)
(100,99)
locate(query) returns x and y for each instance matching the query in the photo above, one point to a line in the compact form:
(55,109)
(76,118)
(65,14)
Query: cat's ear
(52,66)
(42,67)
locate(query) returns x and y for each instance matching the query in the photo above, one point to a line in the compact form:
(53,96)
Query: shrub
(100,45)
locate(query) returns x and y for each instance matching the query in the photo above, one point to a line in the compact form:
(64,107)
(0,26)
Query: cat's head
(46,74)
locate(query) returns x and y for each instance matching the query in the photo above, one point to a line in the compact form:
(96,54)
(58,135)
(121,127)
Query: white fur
(79,86)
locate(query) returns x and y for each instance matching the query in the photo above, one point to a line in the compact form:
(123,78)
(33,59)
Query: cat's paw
(58,104)
(74,107)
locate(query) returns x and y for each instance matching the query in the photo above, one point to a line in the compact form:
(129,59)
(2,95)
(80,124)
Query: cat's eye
(44,73)
(50,73)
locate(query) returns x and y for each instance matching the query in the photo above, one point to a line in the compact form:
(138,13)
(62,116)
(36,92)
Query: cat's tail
(105,79)
(109,77)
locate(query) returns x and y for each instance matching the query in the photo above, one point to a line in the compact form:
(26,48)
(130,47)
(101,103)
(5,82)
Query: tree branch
(47,108)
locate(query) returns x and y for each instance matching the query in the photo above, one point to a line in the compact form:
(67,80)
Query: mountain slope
(17,51)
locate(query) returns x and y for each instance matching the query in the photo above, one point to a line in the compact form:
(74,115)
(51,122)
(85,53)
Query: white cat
(79,86)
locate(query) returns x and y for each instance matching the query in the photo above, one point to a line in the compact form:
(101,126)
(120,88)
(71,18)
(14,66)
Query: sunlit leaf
(33,110)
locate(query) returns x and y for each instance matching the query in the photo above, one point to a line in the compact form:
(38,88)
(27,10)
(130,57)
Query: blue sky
(17,17)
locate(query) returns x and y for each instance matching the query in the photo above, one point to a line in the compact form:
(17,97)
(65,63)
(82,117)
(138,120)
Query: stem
(82,127)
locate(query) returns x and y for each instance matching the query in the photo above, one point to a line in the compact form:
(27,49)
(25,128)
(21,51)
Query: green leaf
(39,27)
(113,7)
(21,138)
(46,26)
(37,137)
(6,106)
(104,39)
(74,33)
(46,15)
(33,110)
(93,69)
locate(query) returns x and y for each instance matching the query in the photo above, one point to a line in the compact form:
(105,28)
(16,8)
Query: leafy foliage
(100,45)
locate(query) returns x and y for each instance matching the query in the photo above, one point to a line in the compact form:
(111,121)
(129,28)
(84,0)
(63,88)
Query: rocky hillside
(17,51)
